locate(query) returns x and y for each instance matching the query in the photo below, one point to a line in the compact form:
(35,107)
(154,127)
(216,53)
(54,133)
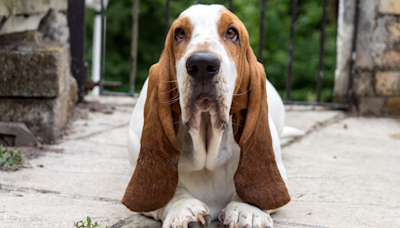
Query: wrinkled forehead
(203,17)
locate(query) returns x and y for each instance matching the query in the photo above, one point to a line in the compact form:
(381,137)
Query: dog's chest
(213,187)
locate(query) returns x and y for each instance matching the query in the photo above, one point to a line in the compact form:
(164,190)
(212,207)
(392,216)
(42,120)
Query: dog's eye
(231,34)
(180,34)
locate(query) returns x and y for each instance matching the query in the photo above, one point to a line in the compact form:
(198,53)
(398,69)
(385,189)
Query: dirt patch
(29,153)
(395,136)
(393,106)
(81,112)
(82,109)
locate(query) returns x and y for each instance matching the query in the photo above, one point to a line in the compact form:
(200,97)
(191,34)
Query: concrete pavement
(344,173)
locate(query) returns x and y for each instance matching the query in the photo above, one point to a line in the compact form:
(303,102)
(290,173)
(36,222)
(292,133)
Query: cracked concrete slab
(112,100)
(101,167)
(25,209)
(137,220)
(98,122)
(309,118)
(343,173)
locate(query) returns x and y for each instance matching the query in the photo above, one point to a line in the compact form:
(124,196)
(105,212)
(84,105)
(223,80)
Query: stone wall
(36,85)
(376,87)
(23,15)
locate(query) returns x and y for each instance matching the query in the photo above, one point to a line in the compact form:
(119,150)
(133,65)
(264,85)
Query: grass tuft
(10,160)
(87,224)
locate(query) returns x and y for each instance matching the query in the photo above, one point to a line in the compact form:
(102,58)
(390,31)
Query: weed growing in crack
(11,160)
(87,224)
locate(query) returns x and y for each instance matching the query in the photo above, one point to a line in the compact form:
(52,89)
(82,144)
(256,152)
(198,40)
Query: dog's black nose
(202,66)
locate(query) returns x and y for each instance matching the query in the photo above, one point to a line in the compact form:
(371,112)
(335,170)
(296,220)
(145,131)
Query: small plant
(10,159)
(87,224)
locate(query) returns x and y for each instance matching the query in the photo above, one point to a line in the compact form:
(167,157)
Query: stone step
(32,67)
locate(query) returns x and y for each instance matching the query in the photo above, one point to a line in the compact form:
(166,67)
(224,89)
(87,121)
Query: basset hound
(204,135)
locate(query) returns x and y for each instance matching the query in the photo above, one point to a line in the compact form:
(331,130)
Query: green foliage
(87,224)
(10,159)
(276,41)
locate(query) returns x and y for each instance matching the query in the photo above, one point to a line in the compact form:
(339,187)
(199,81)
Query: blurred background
(338,54)
(274,54)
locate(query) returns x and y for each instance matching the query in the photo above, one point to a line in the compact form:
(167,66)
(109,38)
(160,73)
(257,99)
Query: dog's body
(215,187)
(208,133)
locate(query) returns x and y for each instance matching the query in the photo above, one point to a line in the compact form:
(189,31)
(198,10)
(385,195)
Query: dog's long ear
(154,181)
(257,179)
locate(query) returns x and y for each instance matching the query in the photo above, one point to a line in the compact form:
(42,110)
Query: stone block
(366,52)
(367,21)
(363,85)
(387,30)
(21,23)
(44,117)
(393,106)
(371,55)
(389,7)
(33,69)
(16,134)
(388,83)
(390,58)
(394,29)
(8,7)
(371,106)
(28,36)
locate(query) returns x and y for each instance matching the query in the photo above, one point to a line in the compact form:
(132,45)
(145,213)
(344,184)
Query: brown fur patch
(179,48)
(154,181)
(227,21)
(258,181)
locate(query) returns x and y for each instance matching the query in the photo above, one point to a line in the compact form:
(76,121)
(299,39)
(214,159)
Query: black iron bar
(321,52)
(167,11)
(76,23)
(289,76)
(134,44)
(262,21)
(231,5)
(353,54)
(103,44)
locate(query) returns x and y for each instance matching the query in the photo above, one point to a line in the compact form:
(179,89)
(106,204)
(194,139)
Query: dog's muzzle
(202,66)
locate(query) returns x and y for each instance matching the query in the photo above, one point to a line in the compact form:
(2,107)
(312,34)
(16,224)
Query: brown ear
(257,179)
(154,181)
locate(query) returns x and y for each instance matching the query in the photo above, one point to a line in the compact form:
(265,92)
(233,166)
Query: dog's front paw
(237,214)
(187,213)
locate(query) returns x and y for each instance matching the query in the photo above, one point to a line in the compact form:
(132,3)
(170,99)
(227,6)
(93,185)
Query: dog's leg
(239,214)
(182,211)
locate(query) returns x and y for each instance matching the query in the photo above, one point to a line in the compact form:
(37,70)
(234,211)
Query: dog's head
(207,66)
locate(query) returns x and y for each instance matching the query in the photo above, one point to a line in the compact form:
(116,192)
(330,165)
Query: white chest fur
(208,174)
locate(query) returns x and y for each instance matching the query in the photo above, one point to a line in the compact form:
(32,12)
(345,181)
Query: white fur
(206,170)
(291,132)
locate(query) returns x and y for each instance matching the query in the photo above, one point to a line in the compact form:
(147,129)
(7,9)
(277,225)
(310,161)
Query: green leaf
(88,220)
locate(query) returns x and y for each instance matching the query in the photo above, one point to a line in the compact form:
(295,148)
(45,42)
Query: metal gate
(77,31)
